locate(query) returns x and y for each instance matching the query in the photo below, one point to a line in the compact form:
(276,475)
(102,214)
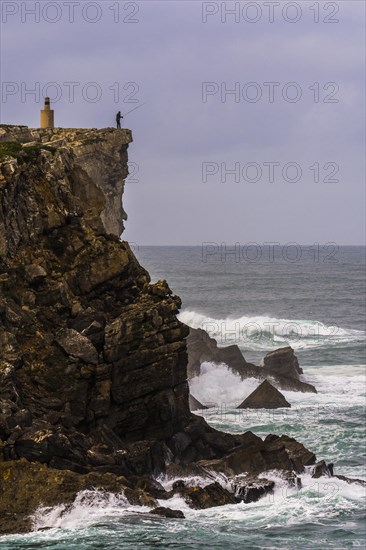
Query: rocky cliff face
(92,356)
(99,169)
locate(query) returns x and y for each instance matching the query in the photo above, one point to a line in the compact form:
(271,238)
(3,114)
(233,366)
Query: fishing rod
(134,109)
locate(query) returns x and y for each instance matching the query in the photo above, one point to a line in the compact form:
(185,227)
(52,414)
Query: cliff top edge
(24,134)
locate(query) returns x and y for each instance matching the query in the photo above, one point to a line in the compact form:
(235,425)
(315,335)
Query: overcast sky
(280,162)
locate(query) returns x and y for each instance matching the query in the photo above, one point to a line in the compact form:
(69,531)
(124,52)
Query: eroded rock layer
(92,356)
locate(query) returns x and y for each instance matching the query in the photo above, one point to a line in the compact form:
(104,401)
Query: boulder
(351,480)
(216,465)
(289,384)
(207,497)
(254,456)
(322,469)
(283,362)
(265,396)
(138,497)
(201,347)
(251,488)
(76,345)
(167,513)
(34,273)
(195,405)
(150,486)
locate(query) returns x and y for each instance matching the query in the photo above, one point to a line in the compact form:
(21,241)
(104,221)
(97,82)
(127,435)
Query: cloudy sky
(250,126)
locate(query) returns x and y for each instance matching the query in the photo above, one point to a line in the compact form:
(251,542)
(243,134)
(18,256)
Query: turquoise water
(316,306)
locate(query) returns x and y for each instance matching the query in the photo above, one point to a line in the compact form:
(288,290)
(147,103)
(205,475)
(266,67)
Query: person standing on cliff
(118,119)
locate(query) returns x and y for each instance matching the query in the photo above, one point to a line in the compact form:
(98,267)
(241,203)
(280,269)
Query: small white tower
(47,115)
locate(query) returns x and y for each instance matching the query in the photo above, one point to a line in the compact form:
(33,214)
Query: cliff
(93,360)
(90,351)
(99,165)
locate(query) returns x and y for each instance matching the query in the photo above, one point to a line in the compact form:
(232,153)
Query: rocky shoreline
(93,360)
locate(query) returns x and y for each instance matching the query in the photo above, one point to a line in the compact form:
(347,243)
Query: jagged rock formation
(265,396)
(281,366)
(201,347)
(92,356)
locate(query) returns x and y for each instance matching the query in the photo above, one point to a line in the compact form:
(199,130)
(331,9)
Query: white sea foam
(218,384)
(88,507)
(264,332)
(317,500)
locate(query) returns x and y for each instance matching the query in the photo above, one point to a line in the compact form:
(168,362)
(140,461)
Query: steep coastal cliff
(87,343)
(93,360)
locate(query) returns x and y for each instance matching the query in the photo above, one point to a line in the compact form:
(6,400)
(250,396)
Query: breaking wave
(263,333)
(218,384)
(319,499)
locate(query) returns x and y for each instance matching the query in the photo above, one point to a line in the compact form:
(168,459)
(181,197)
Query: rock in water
(251,489)
(298,455)
(264,397)
(284,362)
(201,347)
(281,367)
(207,497)
(322,469)
(194,404)
(167,513)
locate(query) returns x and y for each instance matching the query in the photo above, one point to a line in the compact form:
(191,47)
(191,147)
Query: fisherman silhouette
(118,119)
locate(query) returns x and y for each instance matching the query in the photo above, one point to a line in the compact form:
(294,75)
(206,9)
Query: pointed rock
(194,404)
(265,396)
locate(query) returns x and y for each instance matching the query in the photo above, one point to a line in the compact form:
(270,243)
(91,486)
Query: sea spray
(218,384)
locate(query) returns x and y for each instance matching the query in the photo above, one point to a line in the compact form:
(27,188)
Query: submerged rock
(265,396)
(167,513)
(207,497)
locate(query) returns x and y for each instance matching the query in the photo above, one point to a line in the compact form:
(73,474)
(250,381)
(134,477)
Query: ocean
(261,298)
